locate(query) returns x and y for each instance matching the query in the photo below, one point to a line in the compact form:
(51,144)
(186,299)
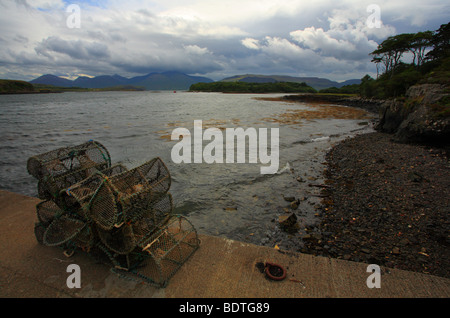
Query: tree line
(245,87)
(390,51)
(430,52)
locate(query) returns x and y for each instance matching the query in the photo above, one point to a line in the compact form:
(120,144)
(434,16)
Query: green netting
(46,212)
(39,230)
(121,216)
(62,229)
(86,239)
(164,251)
(86,156)
(147,221)
(119,240)
(141,186)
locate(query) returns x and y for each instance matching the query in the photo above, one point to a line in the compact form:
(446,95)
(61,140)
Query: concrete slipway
(220,268)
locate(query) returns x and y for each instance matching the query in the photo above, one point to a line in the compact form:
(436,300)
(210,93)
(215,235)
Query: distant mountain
(315,82)
(168,80)
(351,82)
(173,80)
(152,81)
(52,80)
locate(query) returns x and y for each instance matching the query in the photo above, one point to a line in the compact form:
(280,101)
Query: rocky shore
(370,105)
(385,203)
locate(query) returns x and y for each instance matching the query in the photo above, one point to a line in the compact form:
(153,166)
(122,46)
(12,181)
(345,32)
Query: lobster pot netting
(141,186)
(119,240)
(122,238)
(54,163)
(60,168)
(80,196)
(49,187)
(165,251)
(146,221)
(122,217)
(86,238)
(47,211)
(62,230)
(123,197)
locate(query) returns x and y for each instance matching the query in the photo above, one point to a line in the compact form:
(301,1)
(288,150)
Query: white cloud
(251,43)
(348,37)
(195,49)
(205,37)
(46,4)
(342,48)
(319,40)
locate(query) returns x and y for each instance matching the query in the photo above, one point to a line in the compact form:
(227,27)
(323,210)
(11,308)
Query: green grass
(13,87)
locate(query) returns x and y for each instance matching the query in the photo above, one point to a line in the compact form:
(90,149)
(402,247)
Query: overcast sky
(212,38)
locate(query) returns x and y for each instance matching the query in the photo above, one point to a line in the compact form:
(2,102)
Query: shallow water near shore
(229,200)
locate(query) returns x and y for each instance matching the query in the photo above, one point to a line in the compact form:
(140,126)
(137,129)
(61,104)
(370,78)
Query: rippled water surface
(230,200)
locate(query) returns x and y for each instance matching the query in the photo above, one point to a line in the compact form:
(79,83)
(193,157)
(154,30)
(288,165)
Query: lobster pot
(139,187)
(121,217)
(120,240)
(96,201)
(146,221)
(89,155)
(166,250)
(119,263)
(77,196)
(47,211)
(39,231)
(62,230)
(49,187)
(107,200)
(86,238)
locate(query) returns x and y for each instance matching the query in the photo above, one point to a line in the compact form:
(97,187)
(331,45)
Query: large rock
(422,116)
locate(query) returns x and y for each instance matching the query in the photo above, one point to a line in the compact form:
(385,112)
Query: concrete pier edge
(219,269)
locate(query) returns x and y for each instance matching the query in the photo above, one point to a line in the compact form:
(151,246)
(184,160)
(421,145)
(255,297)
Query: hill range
(152,81)
(315,82)
(173,80)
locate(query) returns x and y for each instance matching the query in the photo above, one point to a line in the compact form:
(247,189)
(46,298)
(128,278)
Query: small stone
(287,220)
(317,236)
(404,241)
(294,204)
(289,199)
(396,251)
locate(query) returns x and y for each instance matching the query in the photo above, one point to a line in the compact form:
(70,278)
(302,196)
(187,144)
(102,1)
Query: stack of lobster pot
(121,216)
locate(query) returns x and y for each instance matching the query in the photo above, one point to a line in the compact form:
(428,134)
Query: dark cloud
(216,39)
(81,50)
